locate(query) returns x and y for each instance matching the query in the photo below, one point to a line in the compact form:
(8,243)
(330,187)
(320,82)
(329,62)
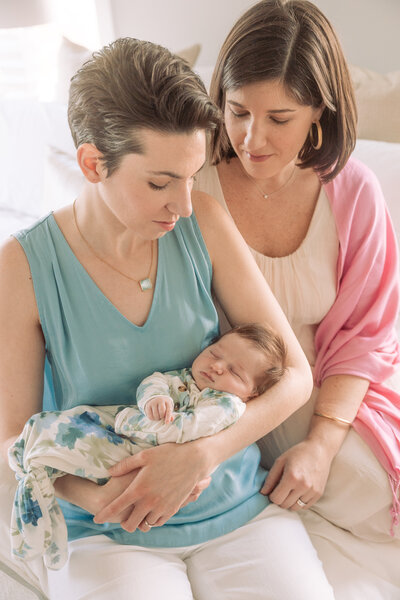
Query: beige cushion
(190,54)
(71,57)
(378,103)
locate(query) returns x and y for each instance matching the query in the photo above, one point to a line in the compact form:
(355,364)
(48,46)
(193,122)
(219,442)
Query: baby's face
(231,365)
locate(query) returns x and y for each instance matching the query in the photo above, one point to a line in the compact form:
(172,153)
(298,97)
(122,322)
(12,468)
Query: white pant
(269,558)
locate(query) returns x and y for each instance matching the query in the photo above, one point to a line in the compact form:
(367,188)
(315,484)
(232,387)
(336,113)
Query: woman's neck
(103,231)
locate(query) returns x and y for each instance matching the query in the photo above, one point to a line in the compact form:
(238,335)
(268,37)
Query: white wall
(179,23)
(369,29)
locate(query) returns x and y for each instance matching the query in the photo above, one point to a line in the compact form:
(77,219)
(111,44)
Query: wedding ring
(148,524)
(298,501)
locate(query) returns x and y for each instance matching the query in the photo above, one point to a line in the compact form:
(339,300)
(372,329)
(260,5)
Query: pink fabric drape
(357,336)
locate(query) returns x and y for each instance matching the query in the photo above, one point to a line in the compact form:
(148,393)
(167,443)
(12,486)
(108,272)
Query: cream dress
(350,524)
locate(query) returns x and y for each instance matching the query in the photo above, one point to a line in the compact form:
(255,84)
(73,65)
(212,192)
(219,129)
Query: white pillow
(24,131)
(12,221)
(59,134)
(63,179)
(384,159)
(71,57)
(378,104)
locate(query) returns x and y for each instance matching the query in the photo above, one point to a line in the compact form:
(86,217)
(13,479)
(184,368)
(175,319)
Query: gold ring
(148,524)
(300,503)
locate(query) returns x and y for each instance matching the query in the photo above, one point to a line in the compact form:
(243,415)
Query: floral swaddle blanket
(80,441)
(86,441)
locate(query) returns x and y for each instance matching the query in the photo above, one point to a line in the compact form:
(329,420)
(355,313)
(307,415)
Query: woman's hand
(301,474)
(166,478)
(114,487)
(298,477)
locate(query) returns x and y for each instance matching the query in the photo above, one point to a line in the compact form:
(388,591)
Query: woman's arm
(303,470)
(168,473)
(22,354)
(355,342)
(22,345)
(246,297)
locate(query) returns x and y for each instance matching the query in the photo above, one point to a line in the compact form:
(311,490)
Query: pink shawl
(357,336)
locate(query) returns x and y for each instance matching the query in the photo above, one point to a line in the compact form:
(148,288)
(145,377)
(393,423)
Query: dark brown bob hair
(291,41)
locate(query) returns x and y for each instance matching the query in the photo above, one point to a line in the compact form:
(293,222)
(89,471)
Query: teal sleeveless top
(95,356)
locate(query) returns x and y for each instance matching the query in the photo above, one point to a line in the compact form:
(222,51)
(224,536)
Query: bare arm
(22,354)
(246,297)
(339,396)
(22,348)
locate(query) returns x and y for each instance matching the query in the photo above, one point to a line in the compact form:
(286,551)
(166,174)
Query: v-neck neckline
(102,295)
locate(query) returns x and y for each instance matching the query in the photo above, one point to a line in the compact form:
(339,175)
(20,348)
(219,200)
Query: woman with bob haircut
(316,223)
(119,284)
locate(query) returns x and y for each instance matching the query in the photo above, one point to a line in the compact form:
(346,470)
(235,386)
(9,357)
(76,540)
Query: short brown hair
(274,348)
(292,42)
(132,85)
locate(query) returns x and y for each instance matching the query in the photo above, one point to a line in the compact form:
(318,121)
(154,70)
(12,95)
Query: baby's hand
(159,407)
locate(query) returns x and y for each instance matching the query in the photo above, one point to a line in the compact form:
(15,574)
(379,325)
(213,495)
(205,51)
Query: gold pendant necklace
(264,195)
(144,284)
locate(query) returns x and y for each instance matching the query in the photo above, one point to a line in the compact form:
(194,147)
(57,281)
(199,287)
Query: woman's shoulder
(355,174)
(356,200)
(16,289)
(12,257)
(34,228)
(204,202)
(356,186)
(209,213)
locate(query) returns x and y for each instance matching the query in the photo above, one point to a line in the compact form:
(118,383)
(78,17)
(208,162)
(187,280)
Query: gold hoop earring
(317,145)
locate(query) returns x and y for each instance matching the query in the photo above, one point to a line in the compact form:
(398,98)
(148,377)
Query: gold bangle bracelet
(337,419)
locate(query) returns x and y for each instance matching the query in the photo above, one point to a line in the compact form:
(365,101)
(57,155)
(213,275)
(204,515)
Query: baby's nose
(218,367)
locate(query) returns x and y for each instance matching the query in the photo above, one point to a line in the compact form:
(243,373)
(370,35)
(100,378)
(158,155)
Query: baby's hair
(274,348)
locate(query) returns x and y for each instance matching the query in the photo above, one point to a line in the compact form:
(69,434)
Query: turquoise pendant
(145,284)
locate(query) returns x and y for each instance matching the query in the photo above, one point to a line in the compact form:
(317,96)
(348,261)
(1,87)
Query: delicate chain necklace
(145,284)
(264,195)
